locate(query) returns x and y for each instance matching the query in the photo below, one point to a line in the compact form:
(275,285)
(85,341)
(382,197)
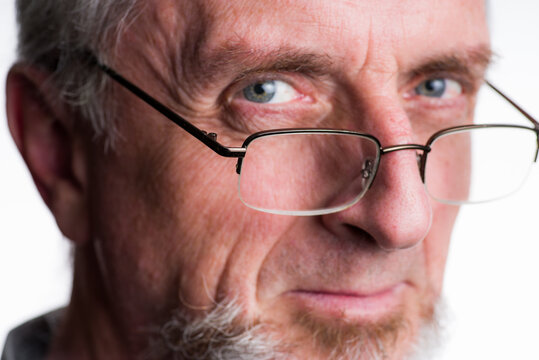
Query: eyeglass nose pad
(367,173)
(419,158)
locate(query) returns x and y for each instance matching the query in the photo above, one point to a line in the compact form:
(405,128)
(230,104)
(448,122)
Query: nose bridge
(421,158)
(386,117)
(391,125)
(396,210)
(399,195)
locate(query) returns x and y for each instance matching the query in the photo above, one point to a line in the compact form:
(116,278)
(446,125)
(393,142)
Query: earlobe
(42,128)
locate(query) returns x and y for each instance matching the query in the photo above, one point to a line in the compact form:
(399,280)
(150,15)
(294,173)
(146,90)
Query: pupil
(259,89)
(432,88)
(261,92)
(431,85)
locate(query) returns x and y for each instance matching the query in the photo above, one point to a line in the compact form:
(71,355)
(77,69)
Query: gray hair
(59,34)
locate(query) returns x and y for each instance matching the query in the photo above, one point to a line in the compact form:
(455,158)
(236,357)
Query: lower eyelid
(256,117)
(432,104)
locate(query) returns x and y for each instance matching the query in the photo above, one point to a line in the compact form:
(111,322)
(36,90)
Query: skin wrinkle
(221,292)
(148,169)
(190,53)
(270,252)
(176,55)
(217,294)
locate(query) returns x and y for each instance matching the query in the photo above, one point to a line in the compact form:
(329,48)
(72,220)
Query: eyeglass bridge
(386,150)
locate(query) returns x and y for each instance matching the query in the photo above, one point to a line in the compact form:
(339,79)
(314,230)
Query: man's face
(172,230)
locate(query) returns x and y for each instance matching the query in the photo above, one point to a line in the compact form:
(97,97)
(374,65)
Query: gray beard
(219,335)
(222,335)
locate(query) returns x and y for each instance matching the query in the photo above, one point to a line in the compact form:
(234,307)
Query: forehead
(355,31)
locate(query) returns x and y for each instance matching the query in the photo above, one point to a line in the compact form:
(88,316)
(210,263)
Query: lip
(369,306)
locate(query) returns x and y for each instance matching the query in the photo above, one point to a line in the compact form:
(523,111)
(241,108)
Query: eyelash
(300,85)
(467,86)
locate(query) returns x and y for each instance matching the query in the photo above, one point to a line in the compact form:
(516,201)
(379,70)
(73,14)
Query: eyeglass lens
(501,158)
(301,173)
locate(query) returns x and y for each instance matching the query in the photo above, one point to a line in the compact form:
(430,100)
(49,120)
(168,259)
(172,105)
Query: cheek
(448,168)
(447,177)
(436,245)
(167,216)
(219,243)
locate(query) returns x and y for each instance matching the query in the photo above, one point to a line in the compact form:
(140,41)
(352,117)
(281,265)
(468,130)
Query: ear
(43,129)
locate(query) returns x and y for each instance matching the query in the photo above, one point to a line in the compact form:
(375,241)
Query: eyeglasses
(312,171)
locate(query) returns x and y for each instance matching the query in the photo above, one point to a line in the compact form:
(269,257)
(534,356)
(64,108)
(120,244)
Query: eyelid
(468,82)
(299,83)
(469,85)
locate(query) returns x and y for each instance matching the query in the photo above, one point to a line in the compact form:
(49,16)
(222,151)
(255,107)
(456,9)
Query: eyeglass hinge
(211,135)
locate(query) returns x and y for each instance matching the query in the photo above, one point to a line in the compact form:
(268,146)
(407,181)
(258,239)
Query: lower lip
(370,307)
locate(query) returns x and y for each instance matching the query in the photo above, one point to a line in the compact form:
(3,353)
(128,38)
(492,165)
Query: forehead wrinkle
(165,36)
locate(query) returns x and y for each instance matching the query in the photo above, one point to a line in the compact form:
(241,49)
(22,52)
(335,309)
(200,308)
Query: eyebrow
(238,60)
(203,67)
(471,63)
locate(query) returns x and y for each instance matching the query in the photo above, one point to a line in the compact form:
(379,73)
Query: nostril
(360,238)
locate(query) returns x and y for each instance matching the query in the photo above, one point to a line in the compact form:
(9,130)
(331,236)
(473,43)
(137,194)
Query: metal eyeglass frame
(210,139)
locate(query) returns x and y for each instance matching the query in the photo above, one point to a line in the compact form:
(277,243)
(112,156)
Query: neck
(87,331)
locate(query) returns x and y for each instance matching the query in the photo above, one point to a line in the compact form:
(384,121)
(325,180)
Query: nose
(396,212)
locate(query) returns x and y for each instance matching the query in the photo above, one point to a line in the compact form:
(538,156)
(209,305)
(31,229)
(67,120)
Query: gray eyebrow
(237,60)
(471,62)
(198,67)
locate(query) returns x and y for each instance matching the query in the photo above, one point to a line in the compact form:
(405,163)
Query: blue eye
(439,88)
(260,92)
(269,92)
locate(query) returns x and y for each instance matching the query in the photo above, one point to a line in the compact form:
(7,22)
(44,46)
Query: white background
(492,281)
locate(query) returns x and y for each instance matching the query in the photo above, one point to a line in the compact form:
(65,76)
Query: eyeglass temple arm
(209,139)
(521,110)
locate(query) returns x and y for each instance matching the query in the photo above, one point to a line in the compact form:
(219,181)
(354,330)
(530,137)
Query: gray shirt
(31,340)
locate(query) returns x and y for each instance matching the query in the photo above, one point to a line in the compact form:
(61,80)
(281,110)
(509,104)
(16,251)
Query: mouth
(351,306)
